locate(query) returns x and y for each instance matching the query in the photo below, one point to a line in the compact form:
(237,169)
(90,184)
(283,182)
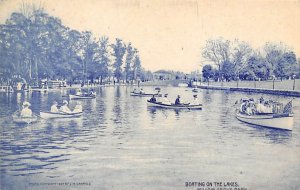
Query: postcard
(137,94)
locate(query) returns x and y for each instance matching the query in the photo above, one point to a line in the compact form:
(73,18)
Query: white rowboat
(24,120)
(50,115)
(73,97)
(142,94)
(173,106)
(278,121)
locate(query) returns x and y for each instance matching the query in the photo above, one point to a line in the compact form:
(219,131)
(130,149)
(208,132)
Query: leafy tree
(227,71)
(241,52)
(103,58)
(35,45)
(256,69)
(129,58)
(217,52)
(207,71)
(119,49)
(137,67)
(286,66)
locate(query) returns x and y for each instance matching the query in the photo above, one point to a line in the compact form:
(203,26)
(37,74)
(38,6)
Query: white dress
(26,112)
(165,101)
(54,109)
(77,109)
(195,102)
(65,109)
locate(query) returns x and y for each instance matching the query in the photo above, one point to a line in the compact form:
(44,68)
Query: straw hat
(26,104)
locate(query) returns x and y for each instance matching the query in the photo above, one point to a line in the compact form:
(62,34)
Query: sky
(170,34)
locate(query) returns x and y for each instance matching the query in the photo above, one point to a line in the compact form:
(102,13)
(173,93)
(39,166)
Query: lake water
(119,143)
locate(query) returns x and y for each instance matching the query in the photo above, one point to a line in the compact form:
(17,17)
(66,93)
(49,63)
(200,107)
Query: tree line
(237,60)
(35,45)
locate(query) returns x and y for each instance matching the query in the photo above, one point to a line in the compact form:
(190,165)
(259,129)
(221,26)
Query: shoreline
(293,93)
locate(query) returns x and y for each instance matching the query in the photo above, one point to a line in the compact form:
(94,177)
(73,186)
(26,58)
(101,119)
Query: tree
(273,55)
(129,57)
(137,67)
(257,68)
(103,58)
(35,45)
(119,49)
(217,52)
(227,71)
(286,66)
(241,53)
(207,72)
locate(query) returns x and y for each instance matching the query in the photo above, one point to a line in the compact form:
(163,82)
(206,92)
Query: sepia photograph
(149,94)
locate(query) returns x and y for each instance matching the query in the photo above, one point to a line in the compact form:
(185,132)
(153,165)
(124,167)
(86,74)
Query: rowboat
(278,121)
(142,94)
(195,90)
(173,106)
(24,120)
(51,115)
(183,85)
(73,97)
(38,89)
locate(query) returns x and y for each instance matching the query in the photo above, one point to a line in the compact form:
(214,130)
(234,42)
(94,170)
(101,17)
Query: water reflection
(118,131)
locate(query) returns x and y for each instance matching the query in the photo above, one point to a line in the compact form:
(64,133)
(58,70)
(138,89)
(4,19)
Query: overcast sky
(170,34)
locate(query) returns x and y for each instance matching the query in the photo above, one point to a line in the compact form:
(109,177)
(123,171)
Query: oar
(186,105)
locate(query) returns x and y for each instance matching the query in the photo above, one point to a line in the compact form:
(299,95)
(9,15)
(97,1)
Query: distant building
(162,75)
(169,75)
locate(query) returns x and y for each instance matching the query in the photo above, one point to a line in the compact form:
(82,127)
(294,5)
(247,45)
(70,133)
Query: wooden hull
(24,120)
(142,95)
(173,106)
(277,121)
(49,115)
(76,97)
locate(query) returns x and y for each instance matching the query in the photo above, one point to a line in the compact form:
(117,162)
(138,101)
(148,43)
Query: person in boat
(159,98)
(260,107)
(65,108)
(78,93)
(250,108)
(165,100)
(177,101)
(92,93)
(134,90)
(195,101)
(78,108)
(244,105)
(263,107)
(26,111)
(153,99)
(54,108)
(141,91)
(261,100)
